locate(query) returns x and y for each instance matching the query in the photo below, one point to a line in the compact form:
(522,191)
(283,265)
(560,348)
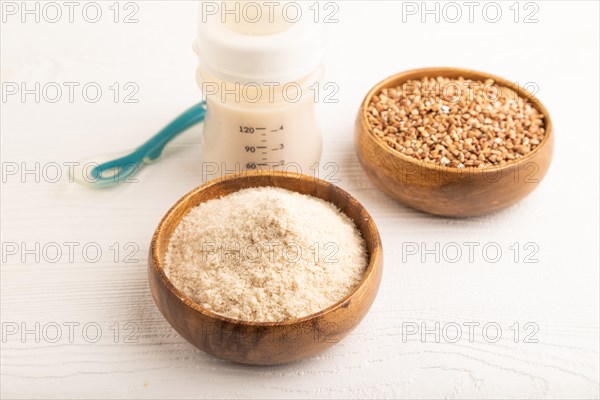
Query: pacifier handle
(116,171)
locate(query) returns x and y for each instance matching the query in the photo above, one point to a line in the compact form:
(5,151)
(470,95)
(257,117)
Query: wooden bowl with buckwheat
(401,142)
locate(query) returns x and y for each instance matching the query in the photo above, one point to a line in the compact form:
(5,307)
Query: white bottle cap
(281,52)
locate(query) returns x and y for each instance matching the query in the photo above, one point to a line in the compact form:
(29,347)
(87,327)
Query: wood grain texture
(263,343)
(149,359)
(442,190)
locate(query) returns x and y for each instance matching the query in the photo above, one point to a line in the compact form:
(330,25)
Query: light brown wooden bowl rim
(158,263)
(453,72)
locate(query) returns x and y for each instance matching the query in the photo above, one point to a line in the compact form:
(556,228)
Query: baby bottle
(258,70)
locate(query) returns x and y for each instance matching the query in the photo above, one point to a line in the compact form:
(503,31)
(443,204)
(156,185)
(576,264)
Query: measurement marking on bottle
(262,164)
(275,130)
(275,149)
(260,129)
(263,140)
(261,147)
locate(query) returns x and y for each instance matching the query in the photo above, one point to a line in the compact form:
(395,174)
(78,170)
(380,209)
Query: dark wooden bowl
(264,342)
(444,190)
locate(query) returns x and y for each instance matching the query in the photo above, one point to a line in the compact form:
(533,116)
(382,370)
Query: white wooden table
(77,316)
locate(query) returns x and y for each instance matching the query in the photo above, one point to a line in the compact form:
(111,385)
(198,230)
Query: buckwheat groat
(456,122)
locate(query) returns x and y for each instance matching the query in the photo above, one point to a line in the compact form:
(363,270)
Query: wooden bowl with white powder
(265,267)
